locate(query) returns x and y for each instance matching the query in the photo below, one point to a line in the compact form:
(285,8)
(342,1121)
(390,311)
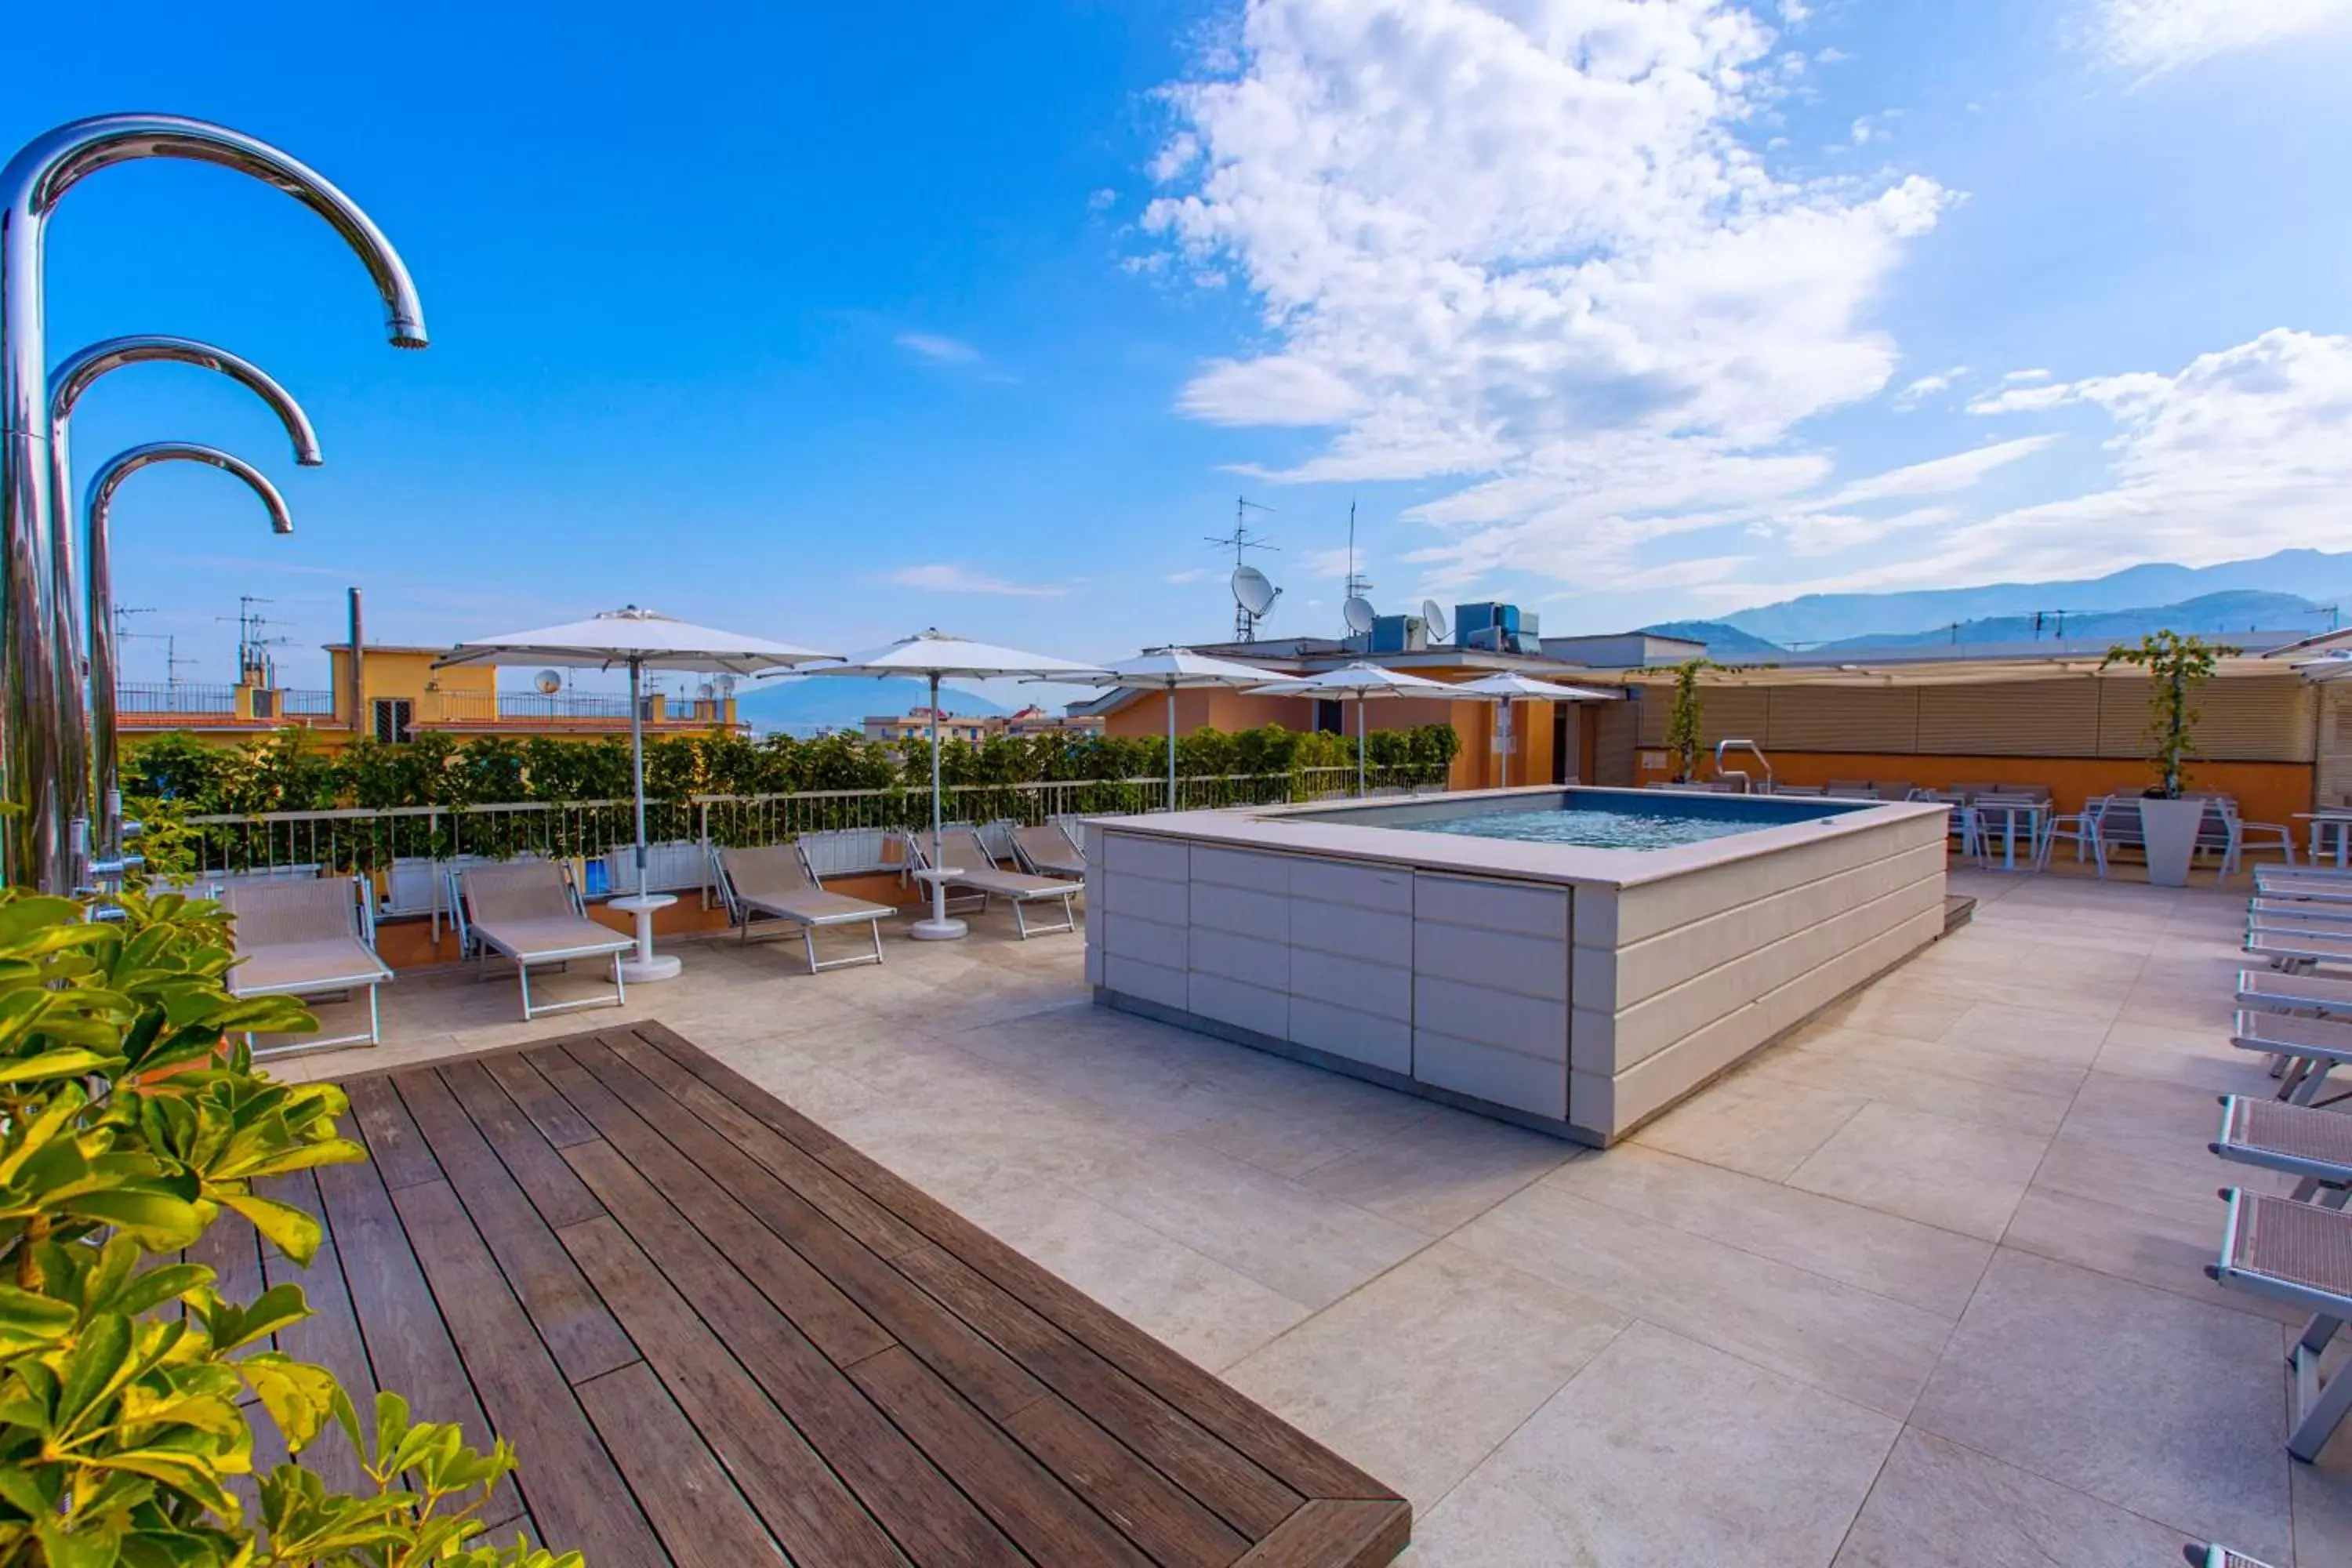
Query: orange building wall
(1474,765)
(2266,792)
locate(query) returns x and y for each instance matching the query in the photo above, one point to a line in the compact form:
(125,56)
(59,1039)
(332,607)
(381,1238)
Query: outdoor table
(2034,811)
(2340,821)
(647,965)
(940,929)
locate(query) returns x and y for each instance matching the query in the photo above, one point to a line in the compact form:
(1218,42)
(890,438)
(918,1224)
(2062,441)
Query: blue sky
(834,328)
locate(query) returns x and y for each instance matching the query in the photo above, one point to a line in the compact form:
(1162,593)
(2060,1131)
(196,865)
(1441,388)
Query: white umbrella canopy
(1507,687)
(934,654)
(1174,669)
(1362,681)
(640,639)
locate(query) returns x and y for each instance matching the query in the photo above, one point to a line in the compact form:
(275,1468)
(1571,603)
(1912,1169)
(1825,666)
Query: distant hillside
(1724,641)
(2207,614)
(802,704)
(2318,577)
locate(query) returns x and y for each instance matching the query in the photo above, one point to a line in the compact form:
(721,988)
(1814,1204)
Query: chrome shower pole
(99,556)
(82,711)
(32,512)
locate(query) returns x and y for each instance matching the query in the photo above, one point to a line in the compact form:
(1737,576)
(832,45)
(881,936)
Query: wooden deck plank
(805,1505)
(570,1483)
(905,1493)
(839,1326)
(525,1151)
(583,1336)
(984,1374)
(835,1368)
(702,1521)
(1301,1462)
(1331,1533)
(407,1345)
(1027,1501)
(329,1337)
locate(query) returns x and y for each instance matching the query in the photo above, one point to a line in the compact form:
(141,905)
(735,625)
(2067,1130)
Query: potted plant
(2177,666)
(1683,719)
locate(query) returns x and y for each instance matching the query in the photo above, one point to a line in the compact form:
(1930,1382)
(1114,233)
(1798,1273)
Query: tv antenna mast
(123,613)
(1357,586)
(1252,594)
(253,656)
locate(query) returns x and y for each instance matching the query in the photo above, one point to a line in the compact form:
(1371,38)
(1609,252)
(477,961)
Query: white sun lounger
(978,873)
(2313,1048)
(2312,1145)
(2214,1555)
(776,882)
(2298,944)
(1048,851)
(2284,993)
(312,937)
(525,910)
(2300,1254)
(2281,909)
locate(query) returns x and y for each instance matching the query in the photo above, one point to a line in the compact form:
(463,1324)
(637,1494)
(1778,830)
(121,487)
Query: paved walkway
(1919,1287)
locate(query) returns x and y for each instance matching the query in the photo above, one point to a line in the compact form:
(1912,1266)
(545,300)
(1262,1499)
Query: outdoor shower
(41,695)
(85,746)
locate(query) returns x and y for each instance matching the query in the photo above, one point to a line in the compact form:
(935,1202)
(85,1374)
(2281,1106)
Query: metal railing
(307,704)
(173,697)
(361,838)
(493,707)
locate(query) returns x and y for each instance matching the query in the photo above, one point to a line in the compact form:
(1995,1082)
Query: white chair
(2244,835)
(2080,829)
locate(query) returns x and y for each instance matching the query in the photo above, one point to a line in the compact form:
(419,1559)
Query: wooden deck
(720,1336)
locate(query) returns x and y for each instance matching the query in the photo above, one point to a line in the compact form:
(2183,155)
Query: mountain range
(807,704)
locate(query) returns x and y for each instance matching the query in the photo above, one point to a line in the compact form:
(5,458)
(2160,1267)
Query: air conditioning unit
(1399,634)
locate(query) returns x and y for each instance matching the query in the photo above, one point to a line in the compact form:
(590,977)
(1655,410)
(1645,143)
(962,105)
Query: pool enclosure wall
(1579,991)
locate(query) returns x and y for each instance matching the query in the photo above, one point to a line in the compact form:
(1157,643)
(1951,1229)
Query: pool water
(1595,829)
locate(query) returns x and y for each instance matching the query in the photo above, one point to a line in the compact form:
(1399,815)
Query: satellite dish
(707,690)
(1434,618)
(726,685)
(1252,591)
(549,681)
(1359,612)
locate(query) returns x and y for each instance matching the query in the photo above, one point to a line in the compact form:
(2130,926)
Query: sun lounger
(2297,944)
(306,938)
(2312,1145)
(2282,992)
(774,882)
(978,873)
(2300,1254)
(2202,1555)
(1048,852)
(2303,882)
(525,910)
(2320,914)
(2313,1048)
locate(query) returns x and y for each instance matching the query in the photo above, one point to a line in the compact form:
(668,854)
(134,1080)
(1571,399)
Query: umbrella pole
(1172,745)
(938,928)
(1360,745)
(645,965)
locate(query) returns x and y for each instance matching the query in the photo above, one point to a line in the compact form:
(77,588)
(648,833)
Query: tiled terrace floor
(1919,1287)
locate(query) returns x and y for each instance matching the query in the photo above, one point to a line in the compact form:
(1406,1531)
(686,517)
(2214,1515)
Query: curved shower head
(77,372)
(122,464)
(44,168)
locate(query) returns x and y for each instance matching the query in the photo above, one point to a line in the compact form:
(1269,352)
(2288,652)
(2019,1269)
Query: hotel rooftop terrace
(1920,1284)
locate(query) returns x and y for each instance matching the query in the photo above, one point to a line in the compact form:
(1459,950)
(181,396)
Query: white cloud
(1102,200)
(946,577)
(1939,475)
(2153,37)
(1532,252)
(1189,574)
(2242,453)
(1927,386)
(2018,376)
(940,350)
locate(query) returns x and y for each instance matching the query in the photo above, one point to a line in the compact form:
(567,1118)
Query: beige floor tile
(1868,1348)
(1309,1117)
(2171,1409)
(1940,1505)
(2006,988)
(2024,1075)
(1915,1082)
(1919,1264)
(1441,1171)
(1289,1237)
(2152,1121)
(2193,1057)
(1194,1304)
(2037,1033)
(1756,1125)
(1884,1009)
(1663,1454)
(1419,1374)
(2164,1242)
(1965,1176)
(2323,1505)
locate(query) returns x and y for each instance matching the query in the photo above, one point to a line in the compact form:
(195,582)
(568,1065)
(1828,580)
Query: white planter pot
(2170,828)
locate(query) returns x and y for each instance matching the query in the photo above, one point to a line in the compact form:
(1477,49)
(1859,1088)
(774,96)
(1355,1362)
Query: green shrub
(123,1135)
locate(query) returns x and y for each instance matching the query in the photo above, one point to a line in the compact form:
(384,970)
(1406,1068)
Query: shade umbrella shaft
(939,889)
(1172,745)
(638,760)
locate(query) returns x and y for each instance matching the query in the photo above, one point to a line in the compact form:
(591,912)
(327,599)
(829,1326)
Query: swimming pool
(1597,820)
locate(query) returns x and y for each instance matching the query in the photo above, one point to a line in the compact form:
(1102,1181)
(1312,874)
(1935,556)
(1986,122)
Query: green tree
(2177,666)
(124,1134)
(1685,720)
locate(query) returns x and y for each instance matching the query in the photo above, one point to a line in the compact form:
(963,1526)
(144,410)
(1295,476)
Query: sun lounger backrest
(965,846)
(519,891)
(1045,844)
(772,871)
(282,913)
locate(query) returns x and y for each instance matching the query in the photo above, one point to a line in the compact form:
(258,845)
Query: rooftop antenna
(253,656)
(2335,614)
(123,613)
(2055,619)
(1252,594)
(1357,586)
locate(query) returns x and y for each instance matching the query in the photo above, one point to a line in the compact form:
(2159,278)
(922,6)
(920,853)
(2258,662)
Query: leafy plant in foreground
(125,1131)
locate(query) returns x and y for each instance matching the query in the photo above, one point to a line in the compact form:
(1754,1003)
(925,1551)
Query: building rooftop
(1920,1284)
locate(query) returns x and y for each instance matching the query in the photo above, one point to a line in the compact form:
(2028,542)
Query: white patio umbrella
(1362,681)
(934,655)
(1507,687)
(1174,669)
(640,641)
